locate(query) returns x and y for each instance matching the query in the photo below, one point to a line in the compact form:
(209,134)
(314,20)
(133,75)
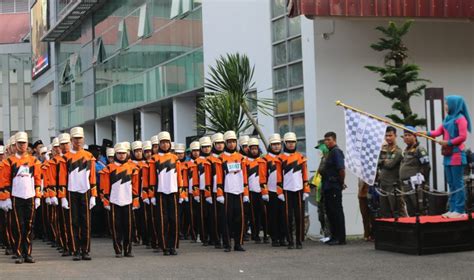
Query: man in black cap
(36,149)
(98,213)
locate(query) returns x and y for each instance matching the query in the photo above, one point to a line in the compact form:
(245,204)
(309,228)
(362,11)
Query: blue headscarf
(456,108)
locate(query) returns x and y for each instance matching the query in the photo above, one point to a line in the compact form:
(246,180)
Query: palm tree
(227,100)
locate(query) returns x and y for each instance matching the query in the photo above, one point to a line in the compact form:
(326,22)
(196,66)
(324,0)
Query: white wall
(242,26)
(443,50)
(184,115)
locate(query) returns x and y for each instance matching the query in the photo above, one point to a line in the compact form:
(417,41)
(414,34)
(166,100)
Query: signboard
(39,27)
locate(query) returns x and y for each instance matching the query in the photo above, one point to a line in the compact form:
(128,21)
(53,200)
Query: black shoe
(118,256)
(246,237)
(205,243)
(76,257)
(173,252)
(342,242)
(265,240)
(212,243)
(299,246)
(166,252)
(29,259)
(275,244)
(239,248)
(148,247)
(65,254)
(332,242)
(19,260)
(291,246)
(14,257)
(283,243)
(257,240)
(227,249)
(8,252)
(218,245)
(86,257)
(129,255)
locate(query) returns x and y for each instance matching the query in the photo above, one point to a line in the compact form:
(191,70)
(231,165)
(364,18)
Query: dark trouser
(22,221)
(63,228)
(167,220)
(79,222)
(294,210)
(276,216)
(121,228)
(188,223)
(202,217)
(5,229)
(258,215)
(52,222)
(216,214)
(135,233)
(150,210)
(333,201)
(389,205)
(234,219)
(142,223)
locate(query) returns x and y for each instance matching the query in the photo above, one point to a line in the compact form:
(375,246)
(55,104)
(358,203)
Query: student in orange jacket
(78,191)
(11,150)
(21,193)
(256,174)
(179,151)
(232,180)
(295,188)
(140,215)
(217,211)
(119,185)
(202,194)
(191,180)
(55,209)
(165,182)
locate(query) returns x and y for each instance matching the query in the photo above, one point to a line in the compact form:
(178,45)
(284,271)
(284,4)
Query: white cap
(2,150)
(274,138)
(289,136)
(164,135)
(147,145)
(205,141)
(217,137)
(110,152)
(244,140)
(12,140)
(127,145)
(230,135)
(64,138)
(137,145)
(121,147)
(21,136)
(253,142)
(55,142)
(77,132)
(179,148)
(43,150)
(154,140)
(194,146)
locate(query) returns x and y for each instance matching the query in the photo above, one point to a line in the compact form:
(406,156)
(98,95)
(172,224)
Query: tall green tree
(225,105)
(397,74)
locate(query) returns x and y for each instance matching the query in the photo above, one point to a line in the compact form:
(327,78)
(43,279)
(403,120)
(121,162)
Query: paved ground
(357,260)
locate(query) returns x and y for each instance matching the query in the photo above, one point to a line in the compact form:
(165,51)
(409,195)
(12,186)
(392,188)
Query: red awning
(456,9)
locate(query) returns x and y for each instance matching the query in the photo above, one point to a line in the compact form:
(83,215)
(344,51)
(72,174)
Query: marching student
(276,204)
(110,153)
(140,219)
(217,211)
(204,189)
(78,191)
(149,207)
(257,181)
(11,150)
(119,185)
(296,189)
(165,179)
(232,180)
(21,193)
(192,178)
(183,191)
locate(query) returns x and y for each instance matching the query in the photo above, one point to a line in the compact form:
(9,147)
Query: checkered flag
(364,140)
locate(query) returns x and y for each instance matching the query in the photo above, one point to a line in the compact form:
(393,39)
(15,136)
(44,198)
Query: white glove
(146,201)
(246,199)
(135,208)
(48,200)
(197,199)
(186,199)
(305,196)
(2,205)
(107,207)
(281,197)
(92,203)
(37,202)
(180,200)
(8,204)
(220,199)
(209,200)
(153,200)
(265,197)
(64,203)
(54,201)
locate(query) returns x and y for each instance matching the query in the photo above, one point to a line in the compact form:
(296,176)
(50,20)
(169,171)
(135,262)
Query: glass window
(279,78)
(279,54)
(296,74)
(294,49)
(278,7)
(283,125)
(279,29)
(297,125)
(297,100)
(294,26)
(281,102)
(301,146)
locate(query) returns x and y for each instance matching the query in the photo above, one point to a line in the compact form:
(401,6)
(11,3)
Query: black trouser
(63,228)
(51,209)
(121,228)
(150,210)
(234,219)
(335,213)
(167,220)
(258,215)
(4,229)
(142,223)
(202,217)
(294,209)
(276,216)
(216,214)
(188,223)
(23,214)
(79,222)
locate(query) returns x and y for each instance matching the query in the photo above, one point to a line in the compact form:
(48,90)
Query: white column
(184,118)
(5,97)
(124,127)
(43,117)
(103,130)
(151,123)
(89,134)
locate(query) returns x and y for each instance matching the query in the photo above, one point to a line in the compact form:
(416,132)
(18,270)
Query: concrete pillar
(103,130)
(5,96)
(184,118)
(20,82)
(42,126)
(124,127)
(89,134)
(151,123)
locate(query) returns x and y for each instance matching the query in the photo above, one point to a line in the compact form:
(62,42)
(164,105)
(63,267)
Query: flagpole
(339,103)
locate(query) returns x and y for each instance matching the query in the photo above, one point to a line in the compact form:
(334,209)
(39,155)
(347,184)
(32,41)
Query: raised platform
(431,235)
